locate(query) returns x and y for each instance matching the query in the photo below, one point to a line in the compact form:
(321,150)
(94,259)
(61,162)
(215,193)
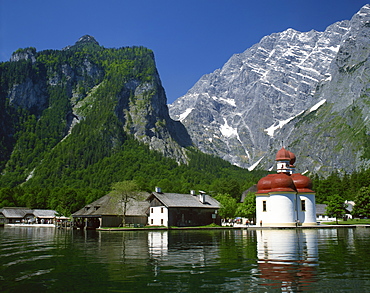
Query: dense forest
(66,130)
(67,121)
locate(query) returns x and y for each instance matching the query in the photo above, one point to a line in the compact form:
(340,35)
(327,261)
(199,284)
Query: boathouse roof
(111,206)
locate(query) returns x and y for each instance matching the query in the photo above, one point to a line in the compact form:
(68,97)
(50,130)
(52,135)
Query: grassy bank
(349,222)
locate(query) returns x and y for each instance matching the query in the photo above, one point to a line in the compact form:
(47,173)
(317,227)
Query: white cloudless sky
(189,38)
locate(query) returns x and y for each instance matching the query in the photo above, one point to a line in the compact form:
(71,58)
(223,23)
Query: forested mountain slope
(73,121)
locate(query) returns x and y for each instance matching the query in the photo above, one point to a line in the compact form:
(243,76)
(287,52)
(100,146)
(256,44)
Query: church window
(264,209)
(303,205)
(162,210)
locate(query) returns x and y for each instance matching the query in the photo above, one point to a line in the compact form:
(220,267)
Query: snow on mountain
(237,110)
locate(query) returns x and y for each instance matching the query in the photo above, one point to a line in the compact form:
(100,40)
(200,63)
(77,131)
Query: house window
(151,221)
(264,209)
(151,210)
(303,205)
(161,221)
(162,210)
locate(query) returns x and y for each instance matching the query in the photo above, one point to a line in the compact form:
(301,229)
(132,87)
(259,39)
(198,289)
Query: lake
(280,260)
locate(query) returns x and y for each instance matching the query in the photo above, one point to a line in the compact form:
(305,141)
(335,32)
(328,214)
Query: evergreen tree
(336,207)
(362,203)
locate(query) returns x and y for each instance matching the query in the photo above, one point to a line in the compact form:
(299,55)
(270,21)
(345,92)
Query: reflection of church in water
(288,258)
(285,199)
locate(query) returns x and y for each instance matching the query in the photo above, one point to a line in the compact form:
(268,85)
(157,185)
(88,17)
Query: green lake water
(288,260)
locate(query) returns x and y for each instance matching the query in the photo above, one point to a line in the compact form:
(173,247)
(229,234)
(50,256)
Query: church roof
(285,182)
(282,155)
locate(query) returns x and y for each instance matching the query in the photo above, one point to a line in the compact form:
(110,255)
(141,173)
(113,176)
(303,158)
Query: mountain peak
(234,111)
(86,39)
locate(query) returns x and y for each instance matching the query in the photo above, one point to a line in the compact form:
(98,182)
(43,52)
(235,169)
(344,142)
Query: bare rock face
(24,54)
(236,112)
(28,95)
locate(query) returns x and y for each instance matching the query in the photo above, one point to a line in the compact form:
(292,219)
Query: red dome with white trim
(302,183)
(292,158)
(282,155)
(283,181)
(264,184)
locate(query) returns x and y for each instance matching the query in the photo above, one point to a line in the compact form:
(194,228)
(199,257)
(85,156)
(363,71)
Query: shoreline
(30,225)
(234,228)
(239,227)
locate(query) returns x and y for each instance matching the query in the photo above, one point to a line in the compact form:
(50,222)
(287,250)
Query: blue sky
(189,38)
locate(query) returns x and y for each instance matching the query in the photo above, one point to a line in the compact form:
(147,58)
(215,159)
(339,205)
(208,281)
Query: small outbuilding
(18,215)
(15,215)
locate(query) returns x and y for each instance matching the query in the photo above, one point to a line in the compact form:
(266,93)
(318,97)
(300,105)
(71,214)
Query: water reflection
(188,261)
(288,258)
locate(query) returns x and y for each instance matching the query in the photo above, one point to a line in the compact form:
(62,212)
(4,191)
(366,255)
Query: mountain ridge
(233,111)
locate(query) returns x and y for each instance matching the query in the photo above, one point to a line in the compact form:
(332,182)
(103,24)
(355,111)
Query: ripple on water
(27,275)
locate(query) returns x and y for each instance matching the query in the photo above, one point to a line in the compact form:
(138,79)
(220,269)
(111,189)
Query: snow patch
(279,124)
(251,168)
(314,108)
(227,101)
(227,130)
(185,114)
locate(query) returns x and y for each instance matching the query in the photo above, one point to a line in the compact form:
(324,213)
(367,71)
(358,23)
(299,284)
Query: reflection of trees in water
(221,260)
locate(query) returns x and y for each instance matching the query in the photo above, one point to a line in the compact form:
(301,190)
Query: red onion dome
(302,183)
(292,158)
(282,155)
(264,184)
(282,182)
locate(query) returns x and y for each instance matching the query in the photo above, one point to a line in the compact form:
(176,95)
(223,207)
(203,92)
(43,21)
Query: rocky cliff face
(113,93)
(238,111)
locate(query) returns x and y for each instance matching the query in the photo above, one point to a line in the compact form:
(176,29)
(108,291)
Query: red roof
(292,158)
(282,155)
(302,183)
(282,181)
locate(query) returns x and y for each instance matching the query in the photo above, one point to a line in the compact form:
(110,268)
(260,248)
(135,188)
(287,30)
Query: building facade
(107,211)
(182,210)
(285,199)
(18,215)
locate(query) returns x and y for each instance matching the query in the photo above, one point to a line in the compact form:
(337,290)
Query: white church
(285,199)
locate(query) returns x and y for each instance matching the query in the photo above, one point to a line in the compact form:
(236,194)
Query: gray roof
(108,206)
(252,189)
(44,213)
(171,200)
(15,213)
(350,204)
(321,209)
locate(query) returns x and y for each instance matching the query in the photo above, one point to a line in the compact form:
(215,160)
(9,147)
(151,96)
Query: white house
(174,209)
